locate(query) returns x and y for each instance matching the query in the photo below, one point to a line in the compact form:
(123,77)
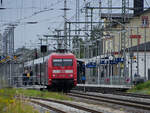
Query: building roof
(140,47)
(119,15)
(145,11)
(115,15)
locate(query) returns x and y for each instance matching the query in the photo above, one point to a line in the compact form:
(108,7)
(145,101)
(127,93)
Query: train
(57,70)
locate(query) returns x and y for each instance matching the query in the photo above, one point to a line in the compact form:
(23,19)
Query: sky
(47,14)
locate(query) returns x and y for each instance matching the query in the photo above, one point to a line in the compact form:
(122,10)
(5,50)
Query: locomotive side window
(67,62)
(57,62)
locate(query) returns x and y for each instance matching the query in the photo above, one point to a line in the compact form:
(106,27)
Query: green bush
(143,88)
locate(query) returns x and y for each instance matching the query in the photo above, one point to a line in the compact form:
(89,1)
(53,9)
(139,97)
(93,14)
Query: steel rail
(132,95)
(69,104)
(47,106)
(130,103)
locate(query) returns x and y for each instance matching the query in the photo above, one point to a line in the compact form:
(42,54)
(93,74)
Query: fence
(10,72)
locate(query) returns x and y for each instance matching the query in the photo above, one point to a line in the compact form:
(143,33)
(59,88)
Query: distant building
(137,35)
(138,55)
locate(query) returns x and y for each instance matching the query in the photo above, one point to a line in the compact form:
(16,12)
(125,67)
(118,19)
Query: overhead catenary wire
(147,3)
(33,14)
(44,10)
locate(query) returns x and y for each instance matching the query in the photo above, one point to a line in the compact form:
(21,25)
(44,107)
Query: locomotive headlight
(70,75)
(54,75)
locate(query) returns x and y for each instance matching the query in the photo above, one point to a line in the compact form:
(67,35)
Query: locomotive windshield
(57,62)
(67,62)
(62,62)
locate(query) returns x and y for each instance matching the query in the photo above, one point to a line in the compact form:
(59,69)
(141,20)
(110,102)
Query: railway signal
(35,53)
(43,48)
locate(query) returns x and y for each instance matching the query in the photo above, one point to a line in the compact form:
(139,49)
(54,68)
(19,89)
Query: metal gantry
(125,12)
(7,54)
(8,41)
(76,33)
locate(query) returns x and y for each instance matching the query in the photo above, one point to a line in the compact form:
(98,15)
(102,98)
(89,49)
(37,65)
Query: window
(67,62)
(57,62)
(145,21)
(62,62)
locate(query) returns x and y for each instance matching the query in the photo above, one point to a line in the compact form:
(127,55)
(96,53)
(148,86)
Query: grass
(143,88)
(18,106)
(43,94)
(9,104)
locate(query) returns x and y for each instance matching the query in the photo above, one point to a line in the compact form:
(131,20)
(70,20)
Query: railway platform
(102,88)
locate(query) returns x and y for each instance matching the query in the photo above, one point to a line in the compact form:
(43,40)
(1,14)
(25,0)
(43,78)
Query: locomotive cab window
(67,62)
(62,62)
(57,62)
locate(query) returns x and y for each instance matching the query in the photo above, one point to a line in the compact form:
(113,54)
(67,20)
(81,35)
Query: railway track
(132,95)
(119,101)
(68,104)
(126,94)
(47,106)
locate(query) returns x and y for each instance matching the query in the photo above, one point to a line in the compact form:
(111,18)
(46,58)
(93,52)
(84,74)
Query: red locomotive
(62,70)
(56,70)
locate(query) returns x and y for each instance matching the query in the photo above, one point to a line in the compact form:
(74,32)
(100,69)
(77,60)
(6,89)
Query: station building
(109,68)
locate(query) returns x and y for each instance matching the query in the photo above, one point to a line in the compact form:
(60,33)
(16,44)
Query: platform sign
(104,61)
(91,65)
(119,60)
(135,36)
(112,61)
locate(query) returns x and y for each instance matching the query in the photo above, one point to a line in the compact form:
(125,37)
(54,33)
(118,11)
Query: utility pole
(91,19)
(65,24)
(98,43)
(110,20)
(100,12)
(69,36)
(8,51)
(131,57)
(58,40)
(145,53)
(77,15)
(86,17)
(138,52)
(123,34)
(110,11)
(77,27)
